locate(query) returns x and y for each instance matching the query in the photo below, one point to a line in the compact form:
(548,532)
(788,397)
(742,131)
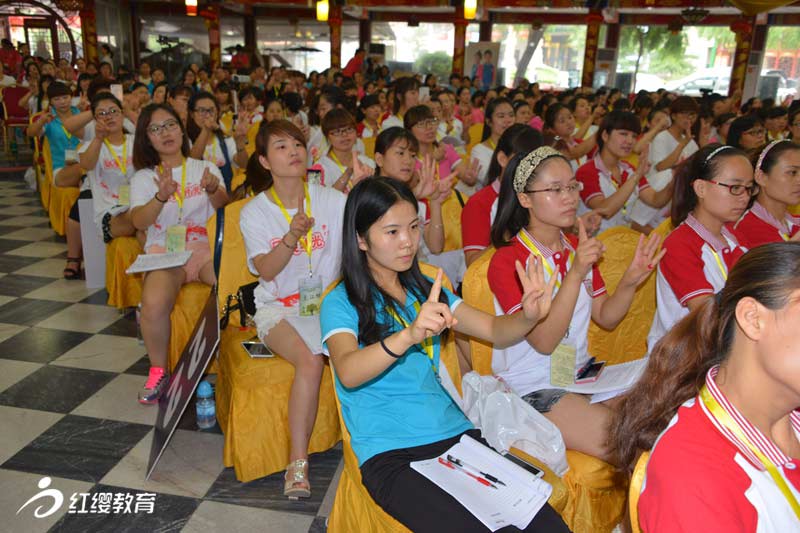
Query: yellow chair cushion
(40,162)
(590,497)
(451,217)
(188,307)
(475,133)
(253,394)
(637,480)
(61,199)
(124,290)
(369,146)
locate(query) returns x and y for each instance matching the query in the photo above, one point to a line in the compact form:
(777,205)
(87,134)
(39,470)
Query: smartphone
(256,348)
(591,374)
(116,90)
(522,463)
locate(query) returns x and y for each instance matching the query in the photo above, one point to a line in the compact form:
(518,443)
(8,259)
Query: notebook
(148,262)
(495,490)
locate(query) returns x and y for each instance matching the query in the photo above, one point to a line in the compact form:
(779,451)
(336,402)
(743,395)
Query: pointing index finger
(436,289)
(582,237)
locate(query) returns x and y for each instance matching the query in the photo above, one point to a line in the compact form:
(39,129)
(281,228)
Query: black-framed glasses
(158,129)
(205,111)
(738,190)
(110,112)
(348,130)
(428,123)
(572,188)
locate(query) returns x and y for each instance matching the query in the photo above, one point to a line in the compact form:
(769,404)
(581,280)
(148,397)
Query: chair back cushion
(476,292)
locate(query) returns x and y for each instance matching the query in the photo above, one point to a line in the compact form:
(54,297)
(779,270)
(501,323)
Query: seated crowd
(359,178)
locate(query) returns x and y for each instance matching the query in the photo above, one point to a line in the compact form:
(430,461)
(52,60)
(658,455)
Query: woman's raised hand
(301,222)
(645,260)
(589,251)
(537,295)
(166,185)
(433,316)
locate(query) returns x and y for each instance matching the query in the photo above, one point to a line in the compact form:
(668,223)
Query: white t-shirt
(89,129)
(197,208)
(391,121)
(7,81)
(456,131)
(106,177)
(263,226)
(332,172)
(213,152)
(663,145)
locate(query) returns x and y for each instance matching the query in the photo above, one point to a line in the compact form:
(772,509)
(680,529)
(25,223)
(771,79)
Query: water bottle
(206,408)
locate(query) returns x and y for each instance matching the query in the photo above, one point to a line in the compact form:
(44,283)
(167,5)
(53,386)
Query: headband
(710,156)
(529,164)
(765,151)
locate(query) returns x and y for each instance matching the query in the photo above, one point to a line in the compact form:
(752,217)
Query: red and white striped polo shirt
(758,227)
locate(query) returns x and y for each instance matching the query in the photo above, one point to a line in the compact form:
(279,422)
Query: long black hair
(517,138)
(487,117)
(366,203)
(511,216)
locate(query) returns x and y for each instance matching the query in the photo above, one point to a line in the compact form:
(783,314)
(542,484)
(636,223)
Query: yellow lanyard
(427,344)
(179,197)
(336,160)
(305,242)
(724,418)
(68,134)
(492,144)
(722,268)
(123,165)
(523,236)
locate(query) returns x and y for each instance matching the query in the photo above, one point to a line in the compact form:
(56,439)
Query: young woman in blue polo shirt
(382,327)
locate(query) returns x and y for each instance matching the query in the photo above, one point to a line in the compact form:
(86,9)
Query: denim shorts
(543,400)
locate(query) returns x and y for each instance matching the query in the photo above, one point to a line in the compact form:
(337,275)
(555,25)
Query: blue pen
(585,369)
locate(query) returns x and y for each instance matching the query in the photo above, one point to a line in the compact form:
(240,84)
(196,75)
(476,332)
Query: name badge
(310,295)
(70,156)
(562,365)
(124,197)
(176,238)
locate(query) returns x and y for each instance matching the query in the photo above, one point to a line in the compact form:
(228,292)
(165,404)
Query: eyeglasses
(572,188)
(738,190)
(756,133)
(110,112)
(158,129)
(428,123)
(207,111)
(341,132)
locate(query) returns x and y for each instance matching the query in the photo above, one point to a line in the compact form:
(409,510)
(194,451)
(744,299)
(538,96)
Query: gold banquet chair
(124,290)
(253,394)
(637,480)
(61,199)
(591,495)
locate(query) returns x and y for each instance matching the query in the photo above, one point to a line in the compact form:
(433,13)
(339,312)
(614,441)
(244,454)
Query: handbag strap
(218,241)
(226,170)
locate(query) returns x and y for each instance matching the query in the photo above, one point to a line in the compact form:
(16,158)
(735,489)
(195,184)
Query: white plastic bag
(506,420)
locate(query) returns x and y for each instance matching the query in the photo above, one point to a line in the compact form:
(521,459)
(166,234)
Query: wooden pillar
(136,30)
(335,25)
(593,21)
(211,15)
(364,33)
(89,31)
(460,40)
(485,31)
(743,30)
(250,44)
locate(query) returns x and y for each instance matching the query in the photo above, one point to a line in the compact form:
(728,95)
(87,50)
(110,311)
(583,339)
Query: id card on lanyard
(124,191)
(176,233)
(310,287)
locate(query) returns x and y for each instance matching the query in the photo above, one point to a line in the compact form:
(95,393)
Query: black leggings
(421,505)
(74,213)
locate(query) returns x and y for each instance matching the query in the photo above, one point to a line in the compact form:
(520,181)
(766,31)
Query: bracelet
(283,242)
(388,351)
(159,199)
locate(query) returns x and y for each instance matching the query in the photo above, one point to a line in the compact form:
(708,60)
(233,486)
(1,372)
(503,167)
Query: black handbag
(243,301)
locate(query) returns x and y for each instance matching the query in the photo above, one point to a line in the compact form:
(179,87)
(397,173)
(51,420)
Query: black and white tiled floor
(70,368)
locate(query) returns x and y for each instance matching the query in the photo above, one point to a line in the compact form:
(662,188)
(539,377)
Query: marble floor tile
(39,249)
(19,487)
(87,318)
(19,285)
(78,447)
(10,263)
(46,268)
(56,389)
(28,234)
(27,425)
(190,464)
(63,290)
(267,492)
(125,326)
(170,514)
(23,220)
(215,516)
(13,371)
(25,311)
(40,345)
(98,298)
(118,401)
(319,525)
(19,209)
(140,367)
(103,352)
(7,244)
(8,330)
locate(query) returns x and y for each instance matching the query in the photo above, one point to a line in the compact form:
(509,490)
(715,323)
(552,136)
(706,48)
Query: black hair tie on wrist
(388,351)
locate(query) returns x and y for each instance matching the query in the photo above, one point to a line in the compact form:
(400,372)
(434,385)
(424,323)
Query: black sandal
(72,273)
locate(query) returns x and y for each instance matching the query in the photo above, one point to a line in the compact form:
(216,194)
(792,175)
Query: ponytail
(511,216)
(678,364)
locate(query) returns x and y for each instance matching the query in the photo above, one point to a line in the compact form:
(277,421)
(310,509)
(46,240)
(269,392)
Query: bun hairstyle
(257,177)
(520,171)
(703,165)
(367,202)
(678,364)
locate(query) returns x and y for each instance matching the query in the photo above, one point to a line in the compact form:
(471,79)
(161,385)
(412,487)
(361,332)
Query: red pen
(454,466)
